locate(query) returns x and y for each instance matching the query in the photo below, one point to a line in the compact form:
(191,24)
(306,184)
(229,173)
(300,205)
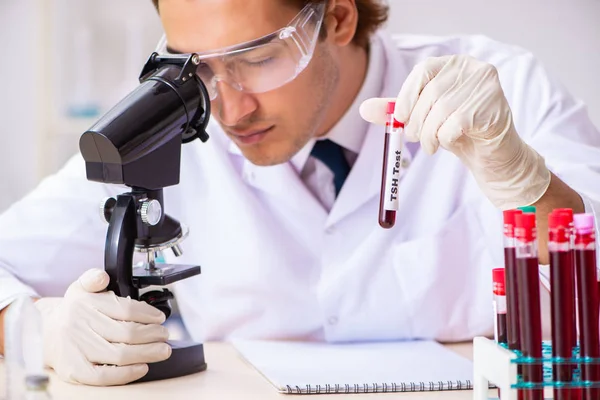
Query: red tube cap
(498,278)
(509,216)
(391,106)
(567,211)
(559,219)
(509,222)
(525,226)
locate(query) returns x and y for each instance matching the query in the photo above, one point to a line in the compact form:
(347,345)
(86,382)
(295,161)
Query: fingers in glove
(411,90)
(448,104)
(111,375)
(450,131)
(126,309)
(128,354)
(94,280)
(101,375)
(433,106)
(374,110)
(73,366)
(91,281)
(128,332)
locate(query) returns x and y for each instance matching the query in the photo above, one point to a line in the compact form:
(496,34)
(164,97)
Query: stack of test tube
(569,364)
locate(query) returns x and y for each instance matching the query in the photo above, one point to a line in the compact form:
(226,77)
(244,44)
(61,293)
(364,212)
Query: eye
(258,63)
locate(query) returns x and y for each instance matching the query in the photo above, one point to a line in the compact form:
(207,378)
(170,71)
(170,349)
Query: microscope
(138,144)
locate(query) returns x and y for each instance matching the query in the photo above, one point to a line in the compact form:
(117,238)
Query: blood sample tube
(499,305)
(562,300)
(512,300)
(530,318)
(585,268)
(512,308)
(392,156)
(570,212)
(569,215)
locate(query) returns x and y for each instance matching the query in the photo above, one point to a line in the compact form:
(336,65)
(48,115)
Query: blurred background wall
(66,61)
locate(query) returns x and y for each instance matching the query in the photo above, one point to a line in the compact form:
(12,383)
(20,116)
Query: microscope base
(187,358)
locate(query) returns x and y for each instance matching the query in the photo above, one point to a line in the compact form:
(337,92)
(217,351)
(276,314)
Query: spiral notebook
(321,368)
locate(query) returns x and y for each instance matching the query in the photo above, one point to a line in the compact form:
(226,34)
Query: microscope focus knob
(106,208)
(151,212)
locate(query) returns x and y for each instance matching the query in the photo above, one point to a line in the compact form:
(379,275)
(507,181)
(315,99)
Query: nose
(232,105)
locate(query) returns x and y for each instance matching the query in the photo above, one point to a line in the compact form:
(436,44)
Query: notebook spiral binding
(381,387)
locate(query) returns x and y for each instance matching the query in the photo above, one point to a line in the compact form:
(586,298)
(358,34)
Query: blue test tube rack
(495,364)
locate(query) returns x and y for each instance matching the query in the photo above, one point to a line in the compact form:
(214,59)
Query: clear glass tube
(24,354)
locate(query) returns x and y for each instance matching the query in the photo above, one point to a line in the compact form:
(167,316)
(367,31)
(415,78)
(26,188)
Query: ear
(341,20)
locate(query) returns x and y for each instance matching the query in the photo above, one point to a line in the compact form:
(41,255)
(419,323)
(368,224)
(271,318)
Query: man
(287,251)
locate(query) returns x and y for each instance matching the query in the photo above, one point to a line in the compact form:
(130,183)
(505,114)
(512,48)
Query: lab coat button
(330,230)
(332,320)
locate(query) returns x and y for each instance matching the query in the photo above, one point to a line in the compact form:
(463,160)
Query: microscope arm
(118,257)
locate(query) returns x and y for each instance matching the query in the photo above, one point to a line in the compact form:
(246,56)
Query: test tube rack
(495,364)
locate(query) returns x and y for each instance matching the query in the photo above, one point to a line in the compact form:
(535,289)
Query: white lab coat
(276,265)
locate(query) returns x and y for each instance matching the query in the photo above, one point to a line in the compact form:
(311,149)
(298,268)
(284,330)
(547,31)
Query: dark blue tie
(332,155)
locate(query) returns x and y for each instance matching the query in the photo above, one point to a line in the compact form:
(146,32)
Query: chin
(265,161)
(266,157)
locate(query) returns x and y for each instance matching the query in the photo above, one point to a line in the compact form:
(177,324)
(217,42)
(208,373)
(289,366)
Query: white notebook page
(300,364)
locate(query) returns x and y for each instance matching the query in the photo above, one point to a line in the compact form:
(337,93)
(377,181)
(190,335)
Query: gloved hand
(89,328)
(457,102)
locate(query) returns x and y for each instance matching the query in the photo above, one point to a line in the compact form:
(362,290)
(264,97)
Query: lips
(250,137)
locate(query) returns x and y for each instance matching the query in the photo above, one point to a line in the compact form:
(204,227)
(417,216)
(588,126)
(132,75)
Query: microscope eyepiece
(138,142)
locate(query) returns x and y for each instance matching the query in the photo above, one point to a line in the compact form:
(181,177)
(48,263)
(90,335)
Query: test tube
(562,301)
(512,303)
(568,213)
(392,157)
(25,374)
(585,268)
(500,329)
(530,318)
(568,210)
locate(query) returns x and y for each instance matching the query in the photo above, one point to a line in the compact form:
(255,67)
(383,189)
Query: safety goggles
(263,64)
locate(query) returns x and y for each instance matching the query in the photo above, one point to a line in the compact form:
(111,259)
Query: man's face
(269,128)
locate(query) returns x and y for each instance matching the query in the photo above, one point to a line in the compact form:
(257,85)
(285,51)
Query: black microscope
(138,144)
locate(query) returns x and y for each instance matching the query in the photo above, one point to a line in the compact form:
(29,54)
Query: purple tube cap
(584,222)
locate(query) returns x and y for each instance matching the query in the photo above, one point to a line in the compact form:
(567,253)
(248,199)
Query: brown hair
(371,15)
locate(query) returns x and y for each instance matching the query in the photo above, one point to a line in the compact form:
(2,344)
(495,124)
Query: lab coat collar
(283,182)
